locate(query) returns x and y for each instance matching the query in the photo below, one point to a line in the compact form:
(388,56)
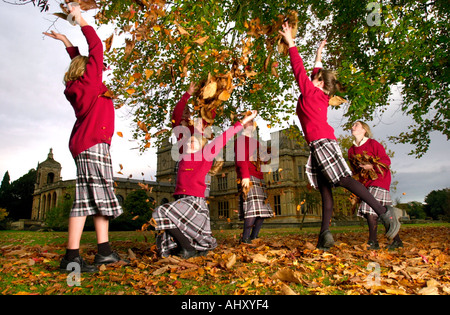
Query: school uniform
(312,109)
(190,213)
(254,204)
(91,135)
(377,185)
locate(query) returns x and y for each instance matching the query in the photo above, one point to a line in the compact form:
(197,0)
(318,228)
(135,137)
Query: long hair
(76,69)
(330,83)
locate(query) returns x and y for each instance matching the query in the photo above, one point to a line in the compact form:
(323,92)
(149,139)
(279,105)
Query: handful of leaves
(366,159)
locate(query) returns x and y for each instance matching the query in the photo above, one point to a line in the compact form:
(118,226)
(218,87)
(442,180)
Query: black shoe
(186,254)
(110,259)
(82,265)
(325,240)
(395,244)
(390,222)
(373,245)
(245,241)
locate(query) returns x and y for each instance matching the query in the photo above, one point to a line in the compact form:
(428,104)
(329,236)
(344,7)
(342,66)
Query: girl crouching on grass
(185,223)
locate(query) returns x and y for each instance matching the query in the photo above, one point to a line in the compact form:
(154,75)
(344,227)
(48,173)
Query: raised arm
(212,149)
(319,51)
(180,111)
(71,50)
(94,68)
(298,68)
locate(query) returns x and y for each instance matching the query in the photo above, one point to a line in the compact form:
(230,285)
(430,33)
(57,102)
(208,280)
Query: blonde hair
(76,69)
(366,127)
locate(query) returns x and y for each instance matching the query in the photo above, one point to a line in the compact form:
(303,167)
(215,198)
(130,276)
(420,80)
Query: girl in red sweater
(326,167)
(89,144)
(185,222)
(371,166)
(253,208)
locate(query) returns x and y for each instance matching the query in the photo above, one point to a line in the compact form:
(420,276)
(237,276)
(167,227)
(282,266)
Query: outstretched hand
(55,35)
(287,34)
(322,44)
(60,37)
(75,16)
(192,88)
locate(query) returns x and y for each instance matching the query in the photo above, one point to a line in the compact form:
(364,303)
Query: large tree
(234,46)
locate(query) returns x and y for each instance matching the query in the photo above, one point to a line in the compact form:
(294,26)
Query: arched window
(54,199)
(50,178)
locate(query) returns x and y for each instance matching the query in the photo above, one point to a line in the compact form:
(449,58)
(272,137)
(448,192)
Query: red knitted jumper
(244,148)
(373,148)
(94,112)
(193,167)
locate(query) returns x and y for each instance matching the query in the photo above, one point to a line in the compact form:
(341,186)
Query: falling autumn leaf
(108,43)
(210,90)
(120,134)
(202,40)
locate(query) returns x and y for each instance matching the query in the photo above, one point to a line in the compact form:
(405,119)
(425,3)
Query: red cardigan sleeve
(179,109)
(304,83)
(94,67)
(379,151)
(73,51)
(212,149)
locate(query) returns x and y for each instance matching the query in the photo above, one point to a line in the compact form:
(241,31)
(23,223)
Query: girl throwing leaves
(89,144)
(326,167)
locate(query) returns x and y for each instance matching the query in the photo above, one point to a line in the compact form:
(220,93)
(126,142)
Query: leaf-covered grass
(281,261)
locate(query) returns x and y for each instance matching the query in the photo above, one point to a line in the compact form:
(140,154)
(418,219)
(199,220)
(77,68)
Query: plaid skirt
(191,216)
(94,189)
(326,157)
(382,195)
(256,204)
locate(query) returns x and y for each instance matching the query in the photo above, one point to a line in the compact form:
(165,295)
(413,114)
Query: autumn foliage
(280,262)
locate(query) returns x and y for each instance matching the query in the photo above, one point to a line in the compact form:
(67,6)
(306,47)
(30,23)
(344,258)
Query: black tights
(180,238)
(252,226)
(353,186)
(372,222)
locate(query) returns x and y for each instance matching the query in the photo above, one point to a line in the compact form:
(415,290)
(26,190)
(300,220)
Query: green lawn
(282,261)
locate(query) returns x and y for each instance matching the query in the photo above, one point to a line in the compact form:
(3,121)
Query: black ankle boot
(325,240)
(390,222)
(373,245)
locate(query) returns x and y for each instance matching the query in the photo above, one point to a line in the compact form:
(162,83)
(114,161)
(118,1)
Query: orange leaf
(120,134)
(202,40)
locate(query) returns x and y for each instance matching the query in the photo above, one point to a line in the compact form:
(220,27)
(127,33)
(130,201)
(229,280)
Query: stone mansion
(290,195)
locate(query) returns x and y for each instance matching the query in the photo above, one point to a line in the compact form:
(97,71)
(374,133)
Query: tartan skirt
(326,157)
(94,189)
(256,204)
(190,215)
(382,195)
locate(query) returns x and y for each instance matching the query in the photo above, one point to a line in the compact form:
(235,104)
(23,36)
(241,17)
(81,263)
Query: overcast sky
(35,115)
